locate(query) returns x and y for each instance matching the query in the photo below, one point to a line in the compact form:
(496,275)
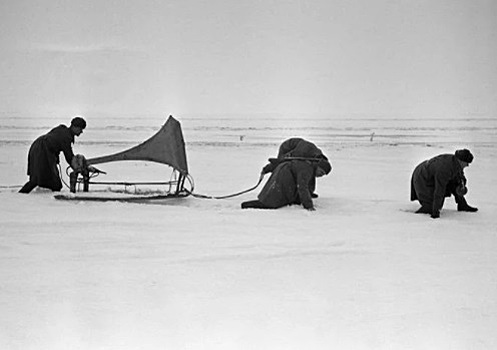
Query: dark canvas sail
(167,146)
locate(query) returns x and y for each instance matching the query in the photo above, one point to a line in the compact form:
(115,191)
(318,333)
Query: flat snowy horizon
(361,272)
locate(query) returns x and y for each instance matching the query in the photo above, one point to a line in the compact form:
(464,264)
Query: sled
(166,147)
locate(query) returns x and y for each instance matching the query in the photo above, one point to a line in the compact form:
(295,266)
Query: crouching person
(293,178)
(440,177)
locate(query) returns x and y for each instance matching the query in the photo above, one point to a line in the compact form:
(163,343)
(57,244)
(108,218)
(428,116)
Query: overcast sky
(373,57)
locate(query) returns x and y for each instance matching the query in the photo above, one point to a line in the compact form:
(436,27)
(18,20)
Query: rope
(286,159)
(196,195)
(191,193)
(61,178)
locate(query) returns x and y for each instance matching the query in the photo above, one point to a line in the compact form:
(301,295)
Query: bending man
(293,178)
(43,156)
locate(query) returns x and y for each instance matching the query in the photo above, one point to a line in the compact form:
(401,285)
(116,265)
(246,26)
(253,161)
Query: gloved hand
(461,190)
(268,168)
(78,163)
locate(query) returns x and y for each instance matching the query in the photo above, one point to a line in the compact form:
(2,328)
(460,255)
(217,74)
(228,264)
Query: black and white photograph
(235,175)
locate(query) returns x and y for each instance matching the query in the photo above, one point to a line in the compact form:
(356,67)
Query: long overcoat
(292,182)
(436,178)
(43,157)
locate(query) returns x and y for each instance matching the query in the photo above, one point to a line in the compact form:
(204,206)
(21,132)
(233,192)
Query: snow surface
(361,272)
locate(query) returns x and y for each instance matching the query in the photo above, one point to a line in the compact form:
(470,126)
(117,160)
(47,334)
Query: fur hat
(78,122)
(464,155)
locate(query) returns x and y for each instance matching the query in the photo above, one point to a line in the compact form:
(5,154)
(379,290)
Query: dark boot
(462,205)
(424,210)
(466,207)
(254,205)
(28,187)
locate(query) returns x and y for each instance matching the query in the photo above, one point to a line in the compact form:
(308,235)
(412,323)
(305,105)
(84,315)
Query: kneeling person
(293,178)
(440,177)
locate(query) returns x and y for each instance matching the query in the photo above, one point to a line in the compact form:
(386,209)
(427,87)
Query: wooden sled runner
(116,197)
(166,147)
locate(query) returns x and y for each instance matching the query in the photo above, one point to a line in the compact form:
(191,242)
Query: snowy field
(360,272)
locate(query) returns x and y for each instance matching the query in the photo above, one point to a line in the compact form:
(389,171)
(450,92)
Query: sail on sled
(166,147)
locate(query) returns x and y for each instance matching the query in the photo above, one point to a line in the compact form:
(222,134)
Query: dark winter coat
(43,157)
(292,182)
(435,179)
(294,147)
(297,147)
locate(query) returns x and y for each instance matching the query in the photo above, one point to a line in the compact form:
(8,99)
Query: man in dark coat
(298,147)
(440,177)
(43,156)
(293,178)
